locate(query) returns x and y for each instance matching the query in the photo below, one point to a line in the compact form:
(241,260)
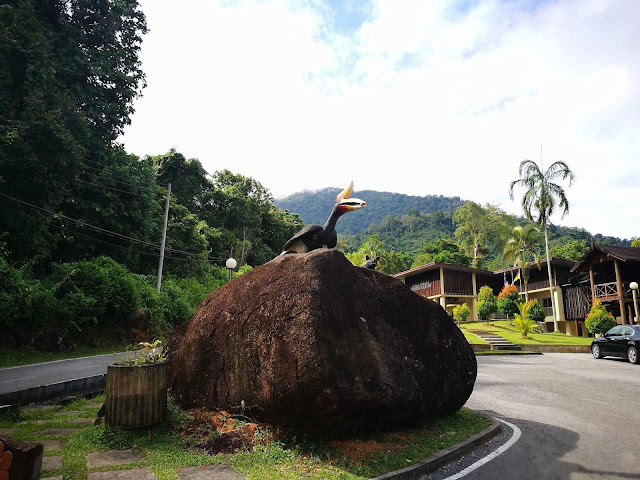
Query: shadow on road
(538,455)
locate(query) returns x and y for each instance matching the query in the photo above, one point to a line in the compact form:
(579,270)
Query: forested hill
(314,207)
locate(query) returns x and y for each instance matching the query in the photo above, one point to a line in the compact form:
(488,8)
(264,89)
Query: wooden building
(604,273)
(450,285)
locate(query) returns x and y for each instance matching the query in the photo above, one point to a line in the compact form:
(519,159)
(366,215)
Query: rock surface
(310,340)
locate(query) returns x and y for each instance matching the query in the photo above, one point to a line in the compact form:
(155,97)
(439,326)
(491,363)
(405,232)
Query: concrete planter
(136,395)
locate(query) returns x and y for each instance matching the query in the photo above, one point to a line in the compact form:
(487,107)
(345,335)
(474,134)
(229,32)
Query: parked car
(621,341)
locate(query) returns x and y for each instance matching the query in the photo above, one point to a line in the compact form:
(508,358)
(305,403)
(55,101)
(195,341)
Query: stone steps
(495,341)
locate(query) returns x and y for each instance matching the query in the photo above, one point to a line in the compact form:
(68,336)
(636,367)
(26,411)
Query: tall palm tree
(539,202)
(521,249)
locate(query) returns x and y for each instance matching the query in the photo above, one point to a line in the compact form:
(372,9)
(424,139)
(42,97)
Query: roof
(623,254)
(543,261)
(434,265)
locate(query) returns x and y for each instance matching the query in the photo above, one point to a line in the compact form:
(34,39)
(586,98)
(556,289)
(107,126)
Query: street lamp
(634,287)
(231,264)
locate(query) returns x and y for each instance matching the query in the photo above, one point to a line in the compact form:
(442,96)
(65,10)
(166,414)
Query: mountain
(315,206)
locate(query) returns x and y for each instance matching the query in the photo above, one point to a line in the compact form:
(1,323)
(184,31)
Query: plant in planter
(137,389)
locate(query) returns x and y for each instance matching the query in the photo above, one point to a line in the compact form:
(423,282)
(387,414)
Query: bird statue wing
(306,232)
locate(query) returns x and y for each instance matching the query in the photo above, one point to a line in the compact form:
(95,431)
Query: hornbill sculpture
(313,237)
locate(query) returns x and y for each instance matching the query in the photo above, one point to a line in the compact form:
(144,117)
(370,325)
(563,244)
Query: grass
(169,449)
(502,328)
(473,339)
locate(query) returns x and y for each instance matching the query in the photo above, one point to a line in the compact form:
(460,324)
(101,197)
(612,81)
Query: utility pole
(164,239)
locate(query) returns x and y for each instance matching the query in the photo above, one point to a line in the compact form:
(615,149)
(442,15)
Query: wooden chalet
(450,285)
(604,273)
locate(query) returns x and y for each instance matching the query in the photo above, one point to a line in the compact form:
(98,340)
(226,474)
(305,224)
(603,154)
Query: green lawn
(167,447)
(502,328)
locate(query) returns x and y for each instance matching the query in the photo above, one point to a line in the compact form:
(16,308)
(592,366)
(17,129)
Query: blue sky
(412,96)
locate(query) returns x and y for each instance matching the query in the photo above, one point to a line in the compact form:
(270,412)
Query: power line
(114,180)
(108,188)
(129,249)
(108,232)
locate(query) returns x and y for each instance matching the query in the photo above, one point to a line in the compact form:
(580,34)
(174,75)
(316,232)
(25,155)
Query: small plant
(599,320)
(522,322)
(461,313)
(536,312)
(149,355)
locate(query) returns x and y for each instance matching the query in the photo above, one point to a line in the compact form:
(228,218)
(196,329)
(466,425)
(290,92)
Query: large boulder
(310,340)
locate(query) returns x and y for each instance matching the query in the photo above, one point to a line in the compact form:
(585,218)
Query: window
(546,302)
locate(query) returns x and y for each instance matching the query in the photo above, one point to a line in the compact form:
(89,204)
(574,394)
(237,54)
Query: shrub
(523,322)
(599,320)
(536,312)
(461,313)
(508,300)
(487,303)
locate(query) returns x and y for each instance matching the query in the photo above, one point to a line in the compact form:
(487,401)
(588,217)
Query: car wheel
(632,355)
(595,351)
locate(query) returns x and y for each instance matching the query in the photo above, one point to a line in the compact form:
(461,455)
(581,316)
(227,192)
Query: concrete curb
(53,391)
(435,461)
(493,353)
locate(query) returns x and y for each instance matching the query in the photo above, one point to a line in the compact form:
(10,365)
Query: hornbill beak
(346,193)
(352,204)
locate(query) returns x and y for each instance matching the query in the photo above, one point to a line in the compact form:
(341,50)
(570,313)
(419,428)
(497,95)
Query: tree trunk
(553,302)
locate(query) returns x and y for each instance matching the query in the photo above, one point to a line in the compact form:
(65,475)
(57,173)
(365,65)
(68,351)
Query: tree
(487,302)
(521,249)
(441,250)
(572,250)
(539,202)
(479,228)
(508,300)
(461,312)
(635,242)
(390,262)
(599,320)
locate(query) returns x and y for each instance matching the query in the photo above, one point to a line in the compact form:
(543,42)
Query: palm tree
(539,201)
(522,248)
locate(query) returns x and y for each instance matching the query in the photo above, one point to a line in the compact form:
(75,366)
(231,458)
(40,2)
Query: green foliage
(572,250)
(481,230)
(536,312)
(461,312)
(487,303)
(441,250)
(522,248)
(635,242)
(599,320)
(390,262)
(315,207)
(522,320)
(509,300)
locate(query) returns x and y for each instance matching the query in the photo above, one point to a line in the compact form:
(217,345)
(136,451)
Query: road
(13,379)
(578,418)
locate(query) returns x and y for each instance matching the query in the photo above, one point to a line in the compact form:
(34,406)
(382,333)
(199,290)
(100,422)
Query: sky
(422,97)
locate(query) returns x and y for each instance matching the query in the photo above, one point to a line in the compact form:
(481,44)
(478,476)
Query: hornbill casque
(313,237)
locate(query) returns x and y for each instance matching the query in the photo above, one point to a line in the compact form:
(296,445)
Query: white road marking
(514,438)
(18,379)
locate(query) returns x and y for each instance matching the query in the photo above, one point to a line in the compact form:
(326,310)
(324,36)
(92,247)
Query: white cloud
(420,99)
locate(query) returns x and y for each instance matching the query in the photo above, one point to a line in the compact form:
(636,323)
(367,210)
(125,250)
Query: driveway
(578,416)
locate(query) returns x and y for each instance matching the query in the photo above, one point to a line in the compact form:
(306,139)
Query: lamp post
(634,288)
(231,264)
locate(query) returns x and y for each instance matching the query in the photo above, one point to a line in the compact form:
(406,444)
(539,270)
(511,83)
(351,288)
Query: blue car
(621,341)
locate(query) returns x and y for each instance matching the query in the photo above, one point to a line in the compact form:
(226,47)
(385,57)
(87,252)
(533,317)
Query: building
(604,273)
(452,285)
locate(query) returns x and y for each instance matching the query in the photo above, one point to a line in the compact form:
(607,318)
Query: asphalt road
(578,418)
(13,379)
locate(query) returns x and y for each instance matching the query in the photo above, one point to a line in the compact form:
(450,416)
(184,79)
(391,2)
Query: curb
(53,391)
(435,461)
(504,352)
